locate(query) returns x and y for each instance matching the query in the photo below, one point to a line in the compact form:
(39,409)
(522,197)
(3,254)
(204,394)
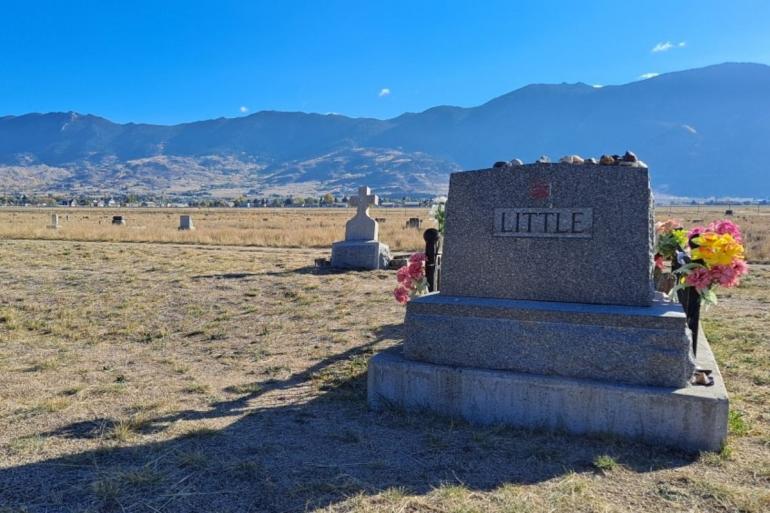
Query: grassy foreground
(165,378)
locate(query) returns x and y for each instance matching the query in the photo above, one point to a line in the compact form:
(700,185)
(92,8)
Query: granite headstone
(550,232)
(186,223)
(361,248)
(546,311)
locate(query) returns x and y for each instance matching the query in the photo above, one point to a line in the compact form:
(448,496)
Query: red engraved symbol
(539,190)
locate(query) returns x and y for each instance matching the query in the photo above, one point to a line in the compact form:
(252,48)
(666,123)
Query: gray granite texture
(692,418)
(621,344)
(550,232)
(360,255)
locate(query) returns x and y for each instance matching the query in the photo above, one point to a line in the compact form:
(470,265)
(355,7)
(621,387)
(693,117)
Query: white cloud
(597,86)
(244,109)
(668,45)
(385,91)
(690,129)
(648,75)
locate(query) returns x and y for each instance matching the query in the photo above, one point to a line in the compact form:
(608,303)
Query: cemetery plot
(285,227)
(141,376)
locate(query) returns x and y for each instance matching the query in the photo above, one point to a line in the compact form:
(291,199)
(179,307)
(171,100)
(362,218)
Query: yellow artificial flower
(717,249)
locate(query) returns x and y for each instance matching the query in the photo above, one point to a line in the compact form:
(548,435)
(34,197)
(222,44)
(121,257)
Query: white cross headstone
(361,226)
(361,248)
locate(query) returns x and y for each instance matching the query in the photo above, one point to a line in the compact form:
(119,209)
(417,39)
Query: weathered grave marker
(414,222)
(546,315)
(186,223)
(361,248)
(54,222)
(119,220)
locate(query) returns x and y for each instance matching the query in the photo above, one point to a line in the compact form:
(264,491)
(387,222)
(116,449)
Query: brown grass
(156,377)
(286,228)
(294,228)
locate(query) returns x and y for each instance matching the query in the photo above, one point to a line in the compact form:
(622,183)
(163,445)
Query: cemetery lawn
(188,378)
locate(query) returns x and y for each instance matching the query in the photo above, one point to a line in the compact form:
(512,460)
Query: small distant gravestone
(361,248)
(119,220)
(54,222)
(186,223)
(414,222)
(728,212)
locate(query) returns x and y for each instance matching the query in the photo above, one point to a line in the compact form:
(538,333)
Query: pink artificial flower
(417,257)
(727,226)
(667,226)
(415,270)
(659,262)
(740,267)
(401,294)
(700,278)
(724,275)
(695,232)
(403,277)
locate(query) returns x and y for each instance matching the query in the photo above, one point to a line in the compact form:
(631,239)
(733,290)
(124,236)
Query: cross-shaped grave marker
(361,226)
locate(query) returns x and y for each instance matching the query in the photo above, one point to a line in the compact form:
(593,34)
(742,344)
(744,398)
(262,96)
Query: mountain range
(703,132)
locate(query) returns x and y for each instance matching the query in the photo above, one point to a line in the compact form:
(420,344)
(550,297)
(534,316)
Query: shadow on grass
(297,456)
(309,269)
(225,276)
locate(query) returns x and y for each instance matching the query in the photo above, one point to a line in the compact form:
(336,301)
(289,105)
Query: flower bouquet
(703,258)
(411,279)
(672,239)
(716,258)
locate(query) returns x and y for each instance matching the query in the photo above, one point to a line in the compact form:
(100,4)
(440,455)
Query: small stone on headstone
(500,164)
(544,159)
(516,162)
(571,159)
(606,160)
(630,156)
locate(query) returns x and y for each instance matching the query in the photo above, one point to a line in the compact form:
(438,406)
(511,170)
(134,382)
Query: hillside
(692,127)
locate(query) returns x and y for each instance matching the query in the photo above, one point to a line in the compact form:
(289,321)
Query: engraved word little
(569,223)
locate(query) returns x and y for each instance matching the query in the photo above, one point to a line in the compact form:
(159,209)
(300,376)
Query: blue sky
(175,61)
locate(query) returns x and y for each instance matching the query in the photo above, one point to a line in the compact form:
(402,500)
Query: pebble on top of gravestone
(361,248)
(546,314)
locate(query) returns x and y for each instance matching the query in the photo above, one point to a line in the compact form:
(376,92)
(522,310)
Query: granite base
(691,418)
(364,254)
(648,345)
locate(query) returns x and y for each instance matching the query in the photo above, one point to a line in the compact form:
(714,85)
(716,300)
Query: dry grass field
(294,228)
(264,227)
(204,378)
